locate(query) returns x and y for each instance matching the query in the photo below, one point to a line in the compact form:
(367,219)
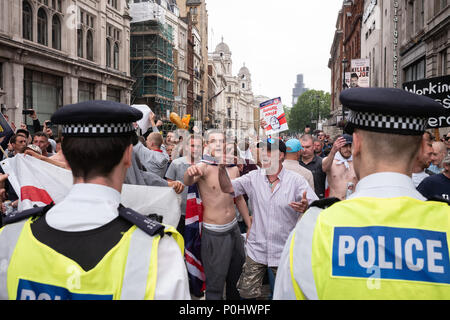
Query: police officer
(385,242)
(88,246)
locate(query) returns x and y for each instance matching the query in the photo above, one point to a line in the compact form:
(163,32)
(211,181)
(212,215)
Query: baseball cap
(348,138)
(293,146)
(269,142)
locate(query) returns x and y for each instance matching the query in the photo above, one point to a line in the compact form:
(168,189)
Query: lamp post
(344,66)
(318,111)
(201,110)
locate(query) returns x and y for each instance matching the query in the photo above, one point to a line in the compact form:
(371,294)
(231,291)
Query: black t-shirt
(435,186)
(315,166)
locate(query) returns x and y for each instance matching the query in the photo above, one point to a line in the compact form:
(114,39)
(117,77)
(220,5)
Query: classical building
(58,52)
(234,106)
(298,90)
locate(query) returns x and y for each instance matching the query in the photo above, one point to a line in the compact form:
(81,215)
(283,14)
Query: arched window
(116,56)
(42,29)
(56,32)
(108,53)
(80,42)
(90,46)
(27,21)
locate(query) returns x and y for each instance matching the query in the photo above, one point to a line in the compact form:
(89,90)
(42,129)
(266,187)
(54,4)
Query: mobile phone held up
(27,111)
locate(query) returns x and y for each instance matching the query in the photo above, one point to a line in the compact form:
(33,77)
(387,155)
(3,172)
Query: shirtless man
(339,167)
(222,249)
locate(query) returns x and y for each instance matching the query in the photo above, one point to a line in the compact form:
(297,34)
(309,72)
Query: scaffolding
(152,65)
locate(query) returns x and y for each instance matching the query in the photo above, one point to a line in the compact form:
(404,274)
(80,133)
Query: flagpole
(5,154)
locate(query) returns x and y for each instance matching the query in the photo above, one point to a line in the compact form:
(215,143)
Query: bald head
(439,153)
(154,141)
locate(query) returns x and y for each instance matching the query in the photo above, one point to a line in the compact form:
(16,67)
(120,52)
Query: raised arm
(328,161)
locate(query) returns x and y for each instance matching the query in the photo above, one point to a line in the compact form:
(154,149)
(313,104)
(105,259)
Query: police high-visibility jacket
(31,270)
(368,248)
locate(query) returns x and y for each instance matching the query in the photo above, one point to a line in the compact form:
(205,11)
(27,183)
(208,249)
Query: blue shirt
(435,186)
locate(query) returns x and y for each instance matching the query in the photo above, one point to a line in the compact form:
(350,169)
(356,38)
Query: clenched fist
(194,171)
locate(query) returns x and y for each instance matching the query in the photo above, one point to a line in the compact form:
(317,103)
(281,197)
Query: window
(113,94)
(27,21)
(116,56)
(442,63)
(90,46)
(86,91)
(80,42)
(42,92)
(243,86)
(439,5)
(113,3)
(56,32)
(42,27)
(108,53)
(415,71)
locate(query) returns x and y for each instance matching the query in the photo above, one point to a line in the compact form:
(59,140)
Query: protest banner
(273,113)
(437,88)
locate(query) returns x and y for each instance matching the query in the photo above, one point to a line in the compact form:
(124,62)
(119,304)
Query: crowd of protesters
(247,216)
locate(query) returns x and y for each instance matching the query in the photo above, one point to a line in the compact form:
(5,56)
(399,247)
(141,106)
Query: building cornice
(55,55)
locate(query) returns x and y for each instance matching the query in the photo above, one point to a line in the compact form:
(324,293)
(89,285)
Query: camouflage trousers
(250,284)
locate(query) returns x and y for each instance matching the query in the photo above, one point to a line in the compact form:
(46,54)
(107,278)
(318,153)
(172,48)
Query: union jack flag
(192,237)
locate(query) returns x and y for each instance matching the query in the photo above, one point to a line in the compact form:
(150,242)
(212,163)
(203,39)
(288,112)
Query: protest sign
(437,88)
(360,73)
(273,113)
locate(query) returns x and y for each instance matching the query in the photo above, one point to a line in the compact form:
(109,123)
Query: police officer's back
(386,241)
(88,246)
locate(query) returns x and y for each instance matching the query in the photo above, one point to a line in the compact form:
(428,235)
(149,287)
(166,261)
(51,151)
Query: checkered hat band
(377,121)
(98,129)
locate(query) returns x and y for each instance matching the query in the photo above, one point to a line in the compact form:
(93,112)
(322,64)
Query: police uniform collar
(386,181)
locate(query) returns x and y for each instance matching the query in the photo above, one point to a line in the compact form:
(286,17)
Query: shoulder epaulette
(146,224)
(439,199)
(325,203)
(25,214)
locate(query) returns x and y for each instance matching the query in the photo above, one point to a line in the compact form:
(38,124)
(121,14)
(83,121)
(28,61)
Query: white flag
(39,183)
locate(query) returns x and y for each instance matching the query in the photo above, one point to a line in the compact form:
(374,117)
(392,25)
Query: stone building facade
(58,52)
(424,39)
(380,42)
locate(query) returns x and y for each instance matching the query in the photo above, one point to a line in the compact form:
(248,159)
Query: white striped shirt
(273,218)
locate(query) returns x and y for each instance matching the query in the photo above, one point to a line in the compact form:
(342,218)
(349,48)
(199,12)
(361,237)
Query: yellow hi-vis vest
(30,270)
(366,248)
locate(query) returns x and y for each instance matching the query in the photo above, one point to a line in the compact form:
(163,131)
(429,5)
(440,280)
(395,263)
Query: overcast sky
(277,40)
